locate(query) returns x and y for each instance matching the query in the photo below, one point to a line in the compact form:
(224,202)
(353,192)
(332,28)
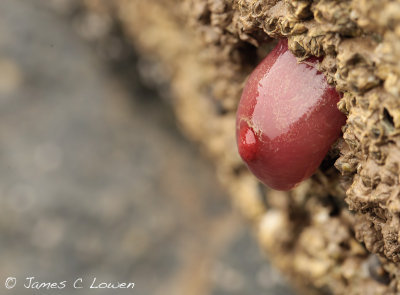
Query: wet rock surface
(96,181)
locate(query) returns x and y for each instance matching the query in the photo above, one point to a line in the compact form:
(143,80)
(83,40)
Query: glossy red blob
(287,119)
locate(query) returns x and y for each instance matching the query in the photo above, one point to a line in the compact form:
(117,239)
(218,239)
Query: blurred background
(96,180)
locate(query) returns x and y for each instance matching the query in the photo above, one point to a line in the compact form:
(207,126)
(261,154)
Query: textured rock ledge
(338,232)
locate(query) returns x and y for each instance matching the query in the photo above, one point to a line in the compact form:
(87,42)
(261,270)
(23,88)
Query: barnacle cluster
(338,232)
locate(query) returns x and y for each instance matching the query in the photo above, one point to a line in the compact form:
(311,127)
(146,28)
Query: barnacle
(332,232)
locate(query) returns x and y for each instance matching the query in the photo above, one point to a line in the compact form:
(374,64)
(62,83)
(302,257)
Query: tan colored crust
(337,232)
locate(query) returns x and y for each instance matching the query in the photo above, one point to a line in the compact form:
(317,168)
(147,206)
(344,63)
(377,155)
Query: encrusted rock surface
(338,232)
